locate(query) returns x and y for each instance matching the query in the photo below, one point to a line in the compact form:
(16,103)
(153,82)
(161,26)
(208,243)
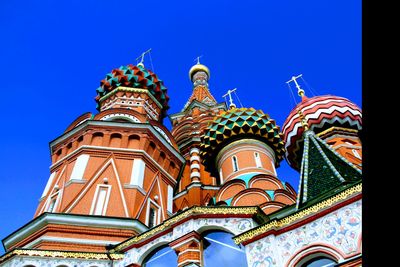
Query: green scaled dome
(235,124)
(135,77)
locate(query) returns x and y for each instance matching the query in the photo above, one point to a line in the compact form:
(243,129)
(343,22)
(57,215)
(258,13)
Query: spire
(300,91)
(199,74)
(323,170)
(229,93)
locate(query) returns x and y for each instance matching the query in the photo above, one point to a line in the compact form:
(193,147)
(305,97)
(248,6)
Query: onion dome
(196,68)
(239,123)
(135,77)
(321,113)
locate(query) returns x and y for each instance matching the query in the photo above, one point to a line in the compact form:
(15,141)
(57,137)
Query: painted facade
(123,190)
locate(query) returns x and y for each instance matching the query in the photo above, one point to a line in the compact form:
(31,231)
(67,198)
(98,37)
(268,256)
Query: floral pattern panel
(340,229)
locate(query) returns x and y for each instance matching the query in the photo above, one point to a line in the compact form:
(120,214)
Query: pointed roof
(323,170)
(201,94)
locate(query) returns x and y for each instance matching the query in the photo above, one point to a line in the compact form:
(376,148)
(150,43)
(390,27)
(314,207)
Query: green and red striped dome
(135,77)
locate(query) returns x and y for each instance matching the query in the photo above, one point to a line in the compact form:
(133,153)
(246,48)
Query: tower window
(258,160)
(153,213)
(100,200)
(53,202)
(235,164)
(152,217)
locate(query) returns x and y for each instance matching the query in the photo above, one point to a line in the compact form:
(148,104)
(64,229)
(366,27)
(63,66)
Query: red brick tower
(196,186)
(112,173)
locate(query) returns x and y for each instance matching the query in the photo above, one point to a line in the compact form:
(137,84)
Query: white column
(170,198)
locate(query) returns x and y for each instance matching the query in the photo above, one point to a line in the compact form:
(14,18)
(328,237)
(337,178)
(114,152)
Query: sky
(53,55)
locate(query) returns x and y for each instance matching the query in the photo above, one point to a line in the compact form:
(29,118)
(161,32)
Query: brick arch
(265,182)
(284,196)
(271,206)
(312,251)
(121,113)
(250,197)
(152,249)
(230,189)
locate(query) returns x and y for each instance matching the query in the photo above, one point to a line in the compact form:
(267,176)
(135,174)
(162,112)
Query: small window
(53,202)
(235,164)
(258,160)
(100,200)
(152,217)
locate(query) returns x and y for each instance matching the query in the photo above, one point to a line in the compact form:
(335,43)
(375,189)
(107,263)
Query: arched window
(235,163)
(163,256)
(258,159)
(229,254)
(319,262)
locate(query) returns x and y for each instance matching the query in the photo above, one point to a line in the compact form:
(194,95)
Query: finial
(299,90)
(229,93)
(142,58)
(198,59)
(303,120)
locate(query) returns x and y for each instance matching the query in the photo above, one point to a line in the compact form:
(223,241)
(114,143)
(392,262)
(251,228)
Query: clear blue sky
(53,55)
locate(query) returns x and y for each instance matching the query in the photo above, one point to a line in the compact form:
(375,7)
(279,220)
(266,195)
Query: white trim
(170,198)
(193,158)
(96,199)
(70,240)
(244,171)
(110,117)
(195,166)
(189,250)
(48,184)
(79,167)
(356,154)
(47,199)
(195,174)
(149,127)
(189,260)
(120,188)
(158,214)
(159,167)
(252,192)
(161,199)
(72,219)
(193,238)
(146,196)
(194,150)
(55,195)
(137,173)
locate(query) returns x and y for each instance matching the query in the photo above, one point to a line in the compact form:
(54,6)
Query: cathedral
(123,190)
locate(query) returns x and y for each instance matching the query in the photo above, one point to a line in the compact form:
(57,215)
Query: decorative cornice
(297,216)
(72,219)
(62,254)
(128,89)
(335,128)
(184,215)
